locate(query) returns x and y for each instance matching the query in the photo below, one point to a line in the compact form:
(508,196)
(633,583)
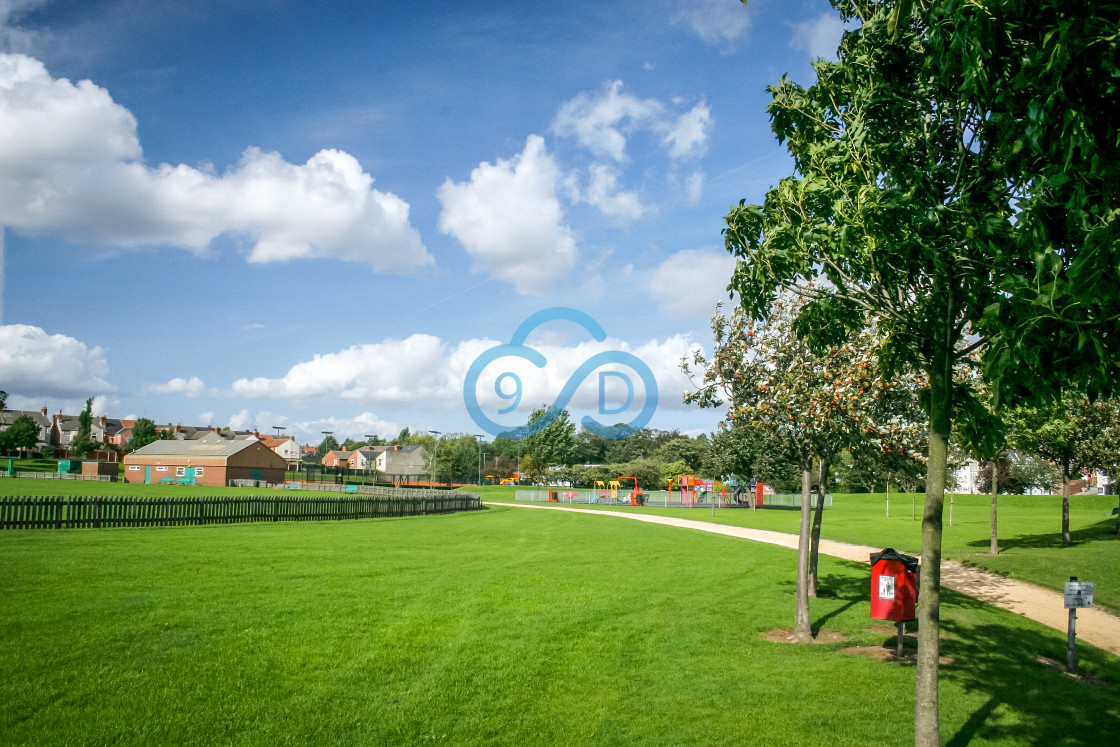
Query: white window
(161,469)
(180,471)
(133,468)
(198,471)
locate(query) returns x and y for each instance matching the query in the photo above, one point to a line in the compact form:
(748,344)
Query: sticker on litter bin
(886,587)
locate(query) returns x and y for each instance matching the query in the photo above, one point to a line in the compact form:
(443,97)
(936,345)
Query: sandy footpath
(1042,605)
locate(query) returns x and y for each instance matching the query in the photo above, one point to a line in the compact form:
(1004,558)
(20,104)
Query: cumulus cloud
(425,370)
(604,193)
(509,219)
(688,136)
(820,37)
(599,122)
(602,122)
(34,363)
(192,387)
(688,284)
(718,21)
(71,163)
(356,427)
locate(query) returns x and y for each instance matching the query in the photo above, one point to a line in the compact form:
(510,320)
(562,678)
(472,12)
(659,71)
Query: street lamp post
(478,438)
(435,453)
(325,434)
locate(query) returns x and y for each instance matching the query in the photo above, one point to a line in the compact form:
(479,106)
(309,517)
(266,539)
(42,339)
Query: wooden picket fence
(96,512)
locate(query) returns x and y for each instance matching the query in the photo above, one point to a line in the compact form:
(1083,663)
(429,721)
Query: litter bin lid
(891,554)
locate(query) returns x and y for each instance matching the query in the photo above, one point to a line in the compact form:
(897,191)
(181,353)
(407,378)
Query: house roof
(195,448)
(7,417)
(272,441)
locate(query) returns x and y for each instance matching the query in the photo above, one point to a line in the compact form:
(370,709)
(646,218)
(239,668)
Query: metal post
(1071,638)
(901,637)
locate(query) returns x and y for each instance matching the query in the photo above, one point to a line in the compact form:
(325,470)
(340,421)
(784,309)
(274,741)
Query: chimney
(218,430)
(44,411)
(104,421)
(396,447)
(178,428)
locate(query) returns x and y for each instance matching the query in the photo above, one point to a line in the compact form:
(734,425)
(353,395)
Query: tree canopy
(954,179)
(143,433)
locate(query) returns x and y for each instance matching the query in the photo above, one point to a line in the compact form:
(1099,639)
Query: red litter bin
(894,586)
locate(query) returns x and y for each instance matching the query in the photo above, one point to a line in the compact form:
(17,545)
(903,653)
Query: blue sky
(317,215)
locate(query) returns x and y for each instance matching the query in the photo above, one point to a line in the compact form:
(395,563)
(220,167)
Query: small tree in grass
(810,404)
(1073,433)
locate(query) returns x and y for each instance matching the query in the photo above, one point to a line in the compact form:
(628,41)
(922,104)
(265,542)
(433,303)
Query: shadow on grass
(1049,707)
(851,589)
(1102,531)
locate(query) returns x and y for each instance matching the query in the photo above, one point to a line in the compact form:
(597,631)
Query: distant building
(285,447)
(336,458)
(40,417)
(211,460)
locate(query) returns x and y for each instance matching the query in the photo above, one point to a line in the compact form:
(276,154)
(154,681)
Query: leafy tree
(1073,433)
(143,433)
(1046,76)
(671,470)
(899,211)
(22,435)
(688,450)
(549,447)
(647,472)
(82,444)
(457,461)
(811,405)
(328,444)
(3,399)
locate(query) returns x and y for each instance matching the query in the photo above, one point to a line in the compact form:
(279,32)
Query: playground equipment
(637,498)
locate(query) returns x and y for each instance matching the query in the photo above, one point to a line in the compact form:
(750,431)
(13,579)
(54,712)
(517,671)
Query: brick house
(207,461)
(335,459)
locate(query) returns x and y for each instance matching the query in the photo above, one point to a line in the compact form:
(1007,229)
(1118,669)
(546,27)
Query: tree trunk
(801,630)
(927,732)
(887,488)
(1066,539)
(994,546)
(815,538)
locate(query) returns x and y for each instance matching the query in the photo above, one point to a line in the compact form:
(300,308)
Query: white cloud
(602,122)
(34,363)
(820,37)
(688,136)
(103,405)
(509,219)
(357,428)
(427,371)
(603,192)
(718,21)
(695,187)
(71,163)
(599,122)
(192,387)
(206,417)
(688,284)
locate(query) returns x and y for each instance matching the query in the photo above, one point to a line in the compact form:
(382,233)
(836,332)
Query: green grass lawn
(502,626)
(1029,530)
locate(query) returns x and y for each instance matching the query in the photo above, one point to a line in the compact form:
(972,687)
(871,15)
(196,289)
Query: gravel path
(1042,605)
